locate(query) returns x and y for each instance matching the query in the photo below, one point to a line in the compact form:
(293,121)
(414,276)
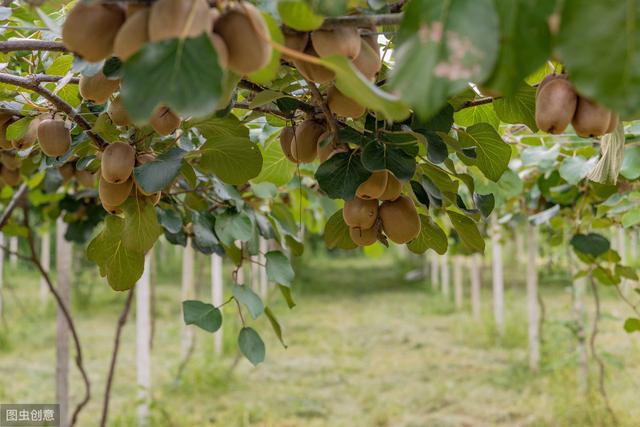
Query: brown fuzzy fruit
(286,137)
(117,113)
(368,62)
(393,189)
(344,41)
(613,122)
(54,137)
(164,121)
(221,50)
(90,29)
(112,210)
(178,19)
(114,194)
(97,88)
(10,177)
(5,144)
(28,138)
(363,237)
(400,220)
(295,40)
(591,119)
(67,172)
(326,148)
(342,105)
(246,35)
(85,178)
(132,35)
(10,161)
(548,78)
(555,105)
(118,160)
(360,213)
(374,186)
(313,72)
(133,8)
(304,146)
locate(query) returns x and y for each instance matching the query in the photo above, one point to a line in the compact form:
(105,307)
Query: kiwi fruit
(613,122)
(244,30)
(590,119)
(133,8)
(221,50)
(114,194)
(67,172)
(393,188)
(294,40)
(118,160)
(117,113)
(286,137)
(304,146)
(10,161)
(555,105)
(344,41)
(548,78)
(85,178)
(169,19)
(28,138)
(400,220)
(90,29)
(112,210)
(164,121)
(368,62)
(326,149)
(360,213)
(132,35)
(54,137)
(97,88)
(4,143)
(10,177)
(364,237)
(313,72)
(374,186)
(343,106)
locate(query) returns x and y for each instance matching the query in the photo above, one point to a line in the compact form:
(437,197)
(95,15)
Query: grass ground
(366,348)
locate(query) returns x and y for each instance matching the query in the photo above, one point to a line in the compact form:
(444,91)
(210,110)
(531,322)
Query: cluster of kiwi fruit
(361,48)
(558,104)
(117,182)
(96,31)
(396,216)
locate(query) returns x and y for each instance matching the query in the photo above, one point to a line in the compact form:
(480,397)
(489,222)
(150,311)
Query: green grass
(365,348)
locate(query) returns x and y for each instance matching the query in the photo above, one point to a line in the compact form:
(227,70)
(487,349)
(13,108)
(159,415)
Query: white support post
(63,274)
(458,291)
(13,247)
(435,284)
(187,293)
(532,297)
(255,274)
(476,283)
(143,342)
(264,285)
(217,294)
(45,259)
(444,271)
(497,276)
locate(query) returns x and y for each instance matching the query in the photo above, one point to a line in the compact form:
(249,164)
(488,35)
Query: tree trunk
(264,285)
(476,283)
(498,278)
(63,271)
(188,293)
(434,271)
(444,270)
(45,259)
(13,247)
(532,298)
(520,248)
(217,294)
(580,317)
(143,342)
(457,281)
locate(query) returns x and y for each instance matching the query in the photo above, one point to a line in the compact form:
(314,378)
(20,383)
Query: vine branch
(13,203)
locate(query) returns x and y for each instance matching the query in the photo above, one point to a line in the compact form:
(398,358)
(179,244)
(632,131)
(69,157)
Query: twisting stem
(114,356)
(364,21)
(592,345)
(65,312)
(33,45)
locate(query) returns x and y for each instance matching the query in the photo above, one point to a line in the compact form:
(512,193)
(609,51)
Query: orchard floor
(365,348)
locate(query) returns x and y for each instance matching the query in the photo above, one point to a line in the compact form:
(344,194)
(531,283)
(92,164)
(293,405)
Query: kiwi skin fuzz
(286,138)
(360,213)
(344,41)
(117,113)
(364,237)
(590,119)
(374,186)
(343,106)
(132,35)
(54,137)
(393,189)
(164,121)
(400,220)
(97,88)
(118,160)
(556,105)
(170,19)
(114,194)
(304,146)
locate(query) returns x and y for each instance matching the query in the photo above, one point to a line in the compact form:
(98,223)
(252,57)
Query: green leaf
(18,129)
(121,266)
(442,47)
(631,217)
(182,74)
(631,163)
(336,233)
(518,108)
(354,85)
(235,160)
(485,203)
(298,15)
(141,228)
(574,169)
(158,174)
(431,237)
(204,316)
(279,268)
(468,231)
(232,226)
(203,235)
(480,114)
(341,175)
(269,72)
(379,156)
(603,62)
(276,168)
(221,127)
(170,220)
(244,295)
(251,345)
(493,154)
(275,325)
(632,325)
(286,294)
(592,244)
